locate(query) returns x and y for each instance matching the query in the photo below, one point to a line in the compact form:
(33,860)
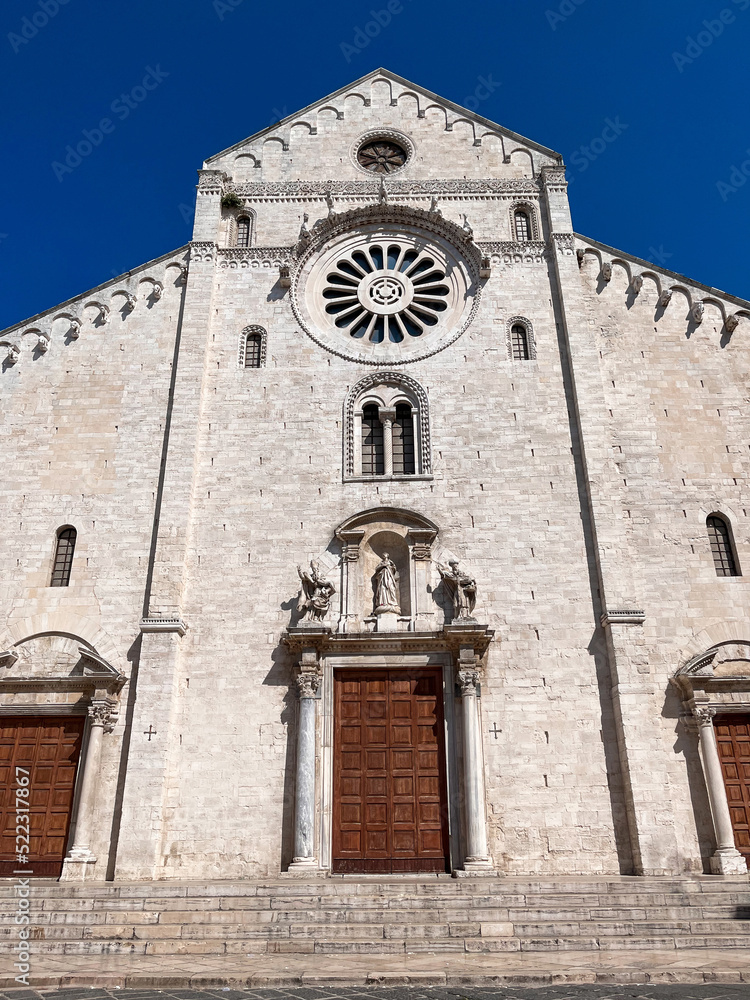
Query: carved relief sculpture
(462,589)
(386,587)
(315,596)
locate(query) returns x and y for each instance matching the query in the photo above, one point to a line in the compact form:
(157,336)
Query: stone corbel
(13,354)
(42,343)
(285,278)
(622,616)
(606,271)
(696,312)
(421,541)
(130,301)
(485,271)
(665,297)
(75,329)
(636,283)
(350,543)
(731,323)
(158,624)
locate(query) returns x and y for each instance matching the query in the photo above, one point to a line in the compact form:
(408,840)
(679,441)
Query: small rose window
(386,292)
(381,156)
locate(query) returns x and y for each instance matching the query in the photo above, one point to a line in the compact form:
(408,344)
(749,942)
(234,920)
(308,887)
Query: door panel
(390,800)
(49,748)
(733,741)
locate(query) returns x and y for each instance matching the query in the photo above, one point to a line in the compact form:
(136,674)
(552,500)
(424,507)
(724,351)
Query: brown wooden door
(49,749)
(390,803)
(733,739)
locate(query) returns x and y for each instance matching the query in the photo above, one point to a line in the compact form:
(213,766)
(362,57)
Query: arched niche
(365,539)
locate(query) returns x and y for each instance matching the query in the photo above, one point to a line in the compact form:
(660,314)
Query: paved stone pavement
(672,991)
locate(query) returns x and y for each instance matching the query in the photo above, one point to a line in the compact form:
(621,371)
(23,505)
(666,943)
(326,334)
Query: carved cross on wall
(495,731)
(149,732)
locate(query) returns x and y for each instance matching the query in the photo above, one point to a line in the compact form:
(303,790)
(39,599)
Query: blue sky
(673,76)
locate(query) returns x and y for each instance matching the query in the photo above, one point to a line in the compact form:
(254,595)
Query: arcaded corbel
(157,291)
(665,298)
(75,329)
(697,310)
(580,255)
(183,274)
(285,278)
(606,272)
(130,301)
(14,353)
(731,323)
(42,342)
(636,283)
(103,316)
(485,271)
(468,231)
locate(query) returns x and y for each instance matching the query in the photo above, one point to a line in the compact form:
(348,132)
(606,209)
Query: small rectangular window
(403,441)
(252,351)
(523,227)
(519,340)
(373,459)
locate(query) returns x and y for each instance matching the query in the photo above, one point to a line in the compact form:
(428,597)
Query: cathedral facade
(389,526)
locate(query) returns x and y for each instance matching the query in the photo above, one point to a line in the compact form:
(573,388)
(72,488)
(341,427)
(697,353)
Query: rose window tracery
(386,291)
(381,156)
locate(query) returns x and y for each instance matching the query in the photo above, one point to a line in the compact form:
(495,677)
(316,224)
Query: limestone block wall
(268,493)
(82,428)
(674,395)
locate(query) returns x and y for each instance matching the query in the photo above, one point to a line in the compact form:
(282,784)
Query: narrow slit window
(253,345)
(523,226)
(373,459)
(519,342)
(243,231)
(720,537)
(66,543)
(403,441)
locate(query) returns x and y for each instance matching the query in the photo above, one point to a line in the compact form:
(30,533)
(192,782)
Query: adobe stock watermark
(32,24)
(710,31)
(224,7)
(485,88)
(22,886)
(738,176)
(566,9)
(584,156)
(362,37)
(658,256)
(122,106)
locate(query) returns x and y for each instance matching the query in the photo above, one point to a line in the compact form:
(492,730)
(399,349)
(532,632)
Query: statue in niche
(386,587)
(462,589)
(315,596)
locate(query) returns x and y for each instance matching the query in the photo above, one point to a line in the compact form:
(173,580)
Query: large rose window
(385,293)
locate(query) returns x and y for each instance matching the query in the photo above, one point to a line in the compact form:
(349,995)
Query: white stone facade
(574,486)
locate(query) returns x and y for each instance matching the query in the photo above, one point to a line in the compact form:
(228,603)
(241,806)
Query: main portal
(390,811)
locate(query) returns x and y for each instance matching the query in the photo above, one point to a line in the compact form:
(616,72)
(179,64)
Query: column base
(476,868)
(304,866)
(728,861)
(79,866)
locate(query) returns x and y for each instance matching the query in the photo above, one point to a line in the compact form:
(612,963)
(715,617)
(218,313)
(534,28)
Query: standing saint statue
(386,587)
(462,589)
(315,596)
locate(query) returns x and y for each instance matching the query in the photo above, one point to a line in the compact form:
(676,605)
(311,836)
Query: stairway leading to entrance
(405,915)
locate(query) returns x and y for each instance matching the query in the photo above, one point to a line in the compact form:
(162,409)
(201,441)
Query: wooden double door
(46,750)
(733,741)
(390,811)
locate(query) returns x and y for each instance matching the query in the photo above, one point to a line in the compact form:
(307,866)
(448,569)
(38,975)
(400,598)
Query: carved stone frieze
(532,247)
(368,188)
(202,252)
(211,181)
(255,258)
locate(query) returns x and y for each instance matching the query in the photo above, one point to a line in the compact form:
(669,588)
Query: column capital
(102,712)
(350,539)
(701,712)
(387,414)
(468,680)
(308,683)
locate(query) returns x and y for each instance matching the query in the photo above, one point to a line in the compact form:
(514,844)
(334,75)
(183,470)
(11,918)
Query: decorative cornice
(369,189)
(531,247)
(234,258)
(622,616)
(202,251)
(450,637)
(163,625)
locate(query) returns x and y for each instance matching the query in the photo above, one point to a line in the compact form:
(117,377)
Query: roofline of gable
(650,266)
(407,83)
(91,291)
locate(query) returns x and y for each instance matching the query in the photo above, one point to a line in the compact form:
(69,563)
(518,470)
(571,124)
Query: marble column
(387,416)
(304,860)
(80,853)
(726,860)
(477,856)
